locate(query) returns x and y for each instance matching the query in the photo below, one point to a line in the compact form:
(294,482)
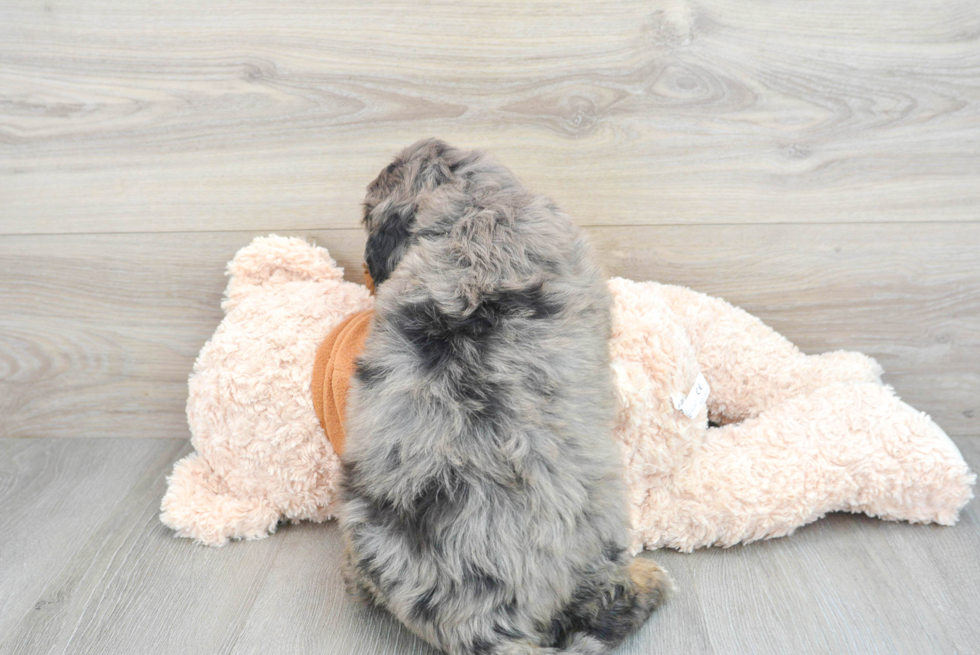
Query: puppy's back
(483,497)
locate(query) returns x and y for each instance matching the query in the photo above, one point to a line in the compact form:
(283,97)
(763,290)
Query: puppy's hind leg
(604,611)
(652,585)
(359,586)
(579,646)
(607,612)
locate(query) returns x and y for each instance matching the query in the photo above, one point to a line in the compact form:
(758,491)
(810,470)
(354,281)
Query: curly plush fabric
(801,436)
(261,454)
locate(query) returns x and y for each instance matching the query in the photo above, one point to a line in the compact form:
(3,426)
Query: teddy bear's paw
(275,260)
(923,477)
(195,510)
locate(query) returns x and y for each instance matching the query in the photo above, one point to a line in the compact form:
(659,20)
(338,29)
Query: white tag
(695,399)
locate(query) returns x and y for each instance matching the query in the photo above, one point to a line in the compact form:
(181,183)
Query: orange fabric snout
(335,362)
(336,359)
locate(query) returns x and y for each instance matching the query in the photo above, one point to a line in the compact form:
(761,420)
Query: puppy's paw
(651,582)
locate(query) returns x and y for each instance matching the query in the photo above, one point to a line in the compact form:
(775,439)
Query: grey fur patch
(483,502)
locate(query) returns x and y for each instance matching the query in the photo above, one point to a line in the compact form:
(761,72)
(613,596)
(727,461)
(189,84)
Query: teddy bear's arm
(749,366)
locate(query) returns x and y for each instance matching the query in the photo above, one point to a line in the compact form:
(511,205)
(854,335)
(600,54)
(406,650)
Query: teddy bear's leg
(749,366)
(195,507)
(846,447)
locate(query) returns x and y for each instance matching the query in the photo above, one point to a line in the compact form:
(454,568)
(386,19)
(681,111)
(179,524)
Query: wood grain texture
(108,582)
(305,587)
(57,503)
(266,115)
(815,163)
(845,584)
(99,332)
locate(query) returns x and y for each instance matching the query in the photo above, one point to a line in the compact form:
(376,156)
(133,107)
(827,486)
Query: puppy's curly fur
(483,501)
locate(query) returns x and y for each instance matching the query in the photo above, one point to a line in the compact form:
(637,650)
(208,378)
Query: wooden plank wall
(815,163)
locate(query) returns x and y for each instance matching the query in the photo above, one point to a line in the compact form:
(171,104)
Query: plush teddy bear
(796,436)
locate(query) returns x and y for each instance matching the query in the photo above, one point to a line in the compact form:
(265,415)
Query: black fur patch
(419,523)
(394,458)
(539,381)
(612,628)
(482,400)
(440,337)
(436,336)
(530,302)
(423,609)
(558,633)
(367,374)
(482,582)
(348,476)
(454,347)
(437,230)
(613,552)
(608,614)
(510,633)
(387,244)
(438,498)
(483,646)
(465,161)
(369,569)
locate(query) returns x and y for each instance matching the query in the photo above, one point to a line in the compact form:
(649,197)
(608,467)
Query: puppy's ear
(386,245)
(393,199)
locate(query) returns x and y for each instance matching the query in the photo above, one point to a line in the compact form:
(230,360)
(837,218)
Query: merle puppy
(483,502)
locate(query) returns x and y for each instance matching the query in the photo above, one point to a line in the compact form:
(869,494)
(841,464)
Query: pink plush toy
(801,436)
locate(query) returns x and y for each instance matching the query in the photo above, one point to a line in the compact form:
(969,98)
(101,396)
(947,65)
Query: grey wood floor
(815,163)
(88,568)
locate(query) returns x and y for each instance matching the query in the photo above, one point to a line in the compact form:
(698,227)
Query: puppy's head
(393,199)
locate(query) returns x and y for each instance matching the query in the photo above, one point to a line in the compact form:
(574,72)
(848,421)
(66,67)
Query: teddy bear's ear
(274,260)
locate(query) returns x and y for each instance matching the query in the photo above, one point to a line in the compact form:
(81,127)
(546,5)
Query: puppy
(483,501)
